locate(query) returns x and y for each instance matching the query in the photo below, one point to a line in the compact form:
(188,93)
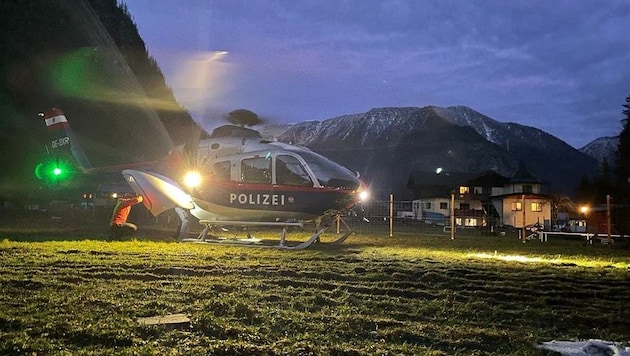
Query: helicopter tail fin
(63,140)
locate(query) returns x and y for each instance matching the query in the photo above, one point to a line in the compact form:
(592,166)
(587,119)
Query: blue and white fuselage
(246,178)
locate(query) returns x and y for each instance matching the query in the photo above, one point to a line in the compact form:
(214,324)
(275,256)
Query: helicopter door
(289,171)
(256,170)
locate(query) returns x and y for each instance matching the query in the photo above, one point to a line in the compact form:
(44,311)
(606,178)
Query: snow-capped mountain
(271,132)
(603,148)
(386,144)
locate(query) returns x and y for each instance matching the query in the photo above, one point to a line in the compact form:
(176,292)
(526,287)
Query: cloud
(556,65)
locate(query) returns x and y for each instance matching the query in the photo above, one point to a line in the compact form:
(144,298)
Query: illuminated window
(464,190)
(470,222)
(466,221)
(516,206)
(536,207)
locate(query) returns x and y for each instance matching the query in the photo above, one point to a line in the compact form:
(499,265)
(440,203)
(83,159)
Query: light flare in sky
(201,79)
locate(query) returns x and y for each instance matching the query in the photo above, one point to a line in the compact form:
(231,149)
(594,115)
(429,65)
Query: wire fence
(381,218)
(400,218)
(384,218)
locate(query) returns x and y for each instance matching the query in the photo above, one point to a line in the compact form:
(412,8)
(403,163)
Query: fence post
(391,215)
(608,221)
(452,216)
(524,235)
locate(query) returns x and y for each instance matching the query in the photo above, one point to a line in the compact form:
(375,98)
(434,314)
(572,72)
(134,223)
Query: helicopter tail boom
(63,141)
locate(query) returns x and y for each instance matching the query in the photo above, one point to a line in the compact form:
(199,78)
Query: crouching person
(118,225)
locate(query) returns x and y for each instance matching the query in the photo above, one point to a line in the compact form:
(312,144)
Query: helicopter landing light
(192,179)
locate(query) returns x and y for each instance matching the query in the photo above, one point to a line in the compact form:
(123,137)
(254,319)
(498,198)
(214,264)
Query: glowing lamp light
(362,192)
(557,259)
(192,179)
(54,171)
(584,209)
(511,258)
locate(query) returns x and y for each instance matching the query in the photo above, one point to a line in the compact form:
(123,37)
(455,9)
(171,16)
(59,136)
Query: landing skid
(254,242)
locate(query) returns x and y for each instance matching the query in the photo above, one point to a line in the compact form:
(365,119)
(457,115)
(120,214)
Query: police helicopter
(234,178)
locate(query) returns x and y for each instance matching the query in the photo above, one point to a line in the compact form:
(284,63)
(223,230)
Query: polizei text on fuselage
(257,199)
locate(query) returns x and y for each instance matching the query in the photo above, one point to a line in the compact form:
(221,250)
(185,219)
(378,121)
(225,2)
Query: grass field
(70,292)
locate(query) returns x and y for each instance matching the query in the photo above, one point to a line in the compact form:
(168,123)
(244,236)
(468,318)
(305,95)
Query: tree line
(613,178)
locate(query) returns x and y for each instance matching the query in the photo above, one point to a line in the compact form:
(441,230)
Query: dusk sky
(560,66)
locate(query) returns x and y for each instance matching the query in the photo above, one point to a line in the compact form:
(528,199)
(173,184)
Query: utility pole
(391,215)
(609,228)
(523,236)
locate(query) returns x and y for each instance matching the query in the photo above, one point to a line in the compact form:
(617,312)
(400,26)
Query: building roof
(523,175)
(431,184)
(488,179)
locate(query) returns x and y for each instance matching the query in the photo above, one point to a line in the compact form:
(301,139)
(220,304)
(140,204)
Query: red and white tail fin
(63,141)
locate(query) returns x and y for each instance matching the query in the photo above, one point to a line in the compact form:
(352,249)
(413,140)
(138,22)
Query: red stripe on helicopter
(55,119)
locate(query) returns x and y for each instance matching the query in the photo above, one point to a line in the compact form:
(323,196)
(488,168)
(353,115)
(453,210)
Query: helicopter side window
(223,171)
(256,170)
(289,171)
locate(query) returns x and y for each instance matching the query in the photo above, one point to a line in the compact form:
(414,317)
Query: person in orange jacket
(118,224)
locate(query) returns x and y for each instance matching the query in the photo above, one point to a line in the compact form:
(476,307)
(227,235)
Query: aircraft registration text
(60,142)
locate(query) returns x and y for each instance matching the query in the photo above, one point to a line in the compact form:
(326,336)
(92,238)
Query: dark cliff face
(385,145)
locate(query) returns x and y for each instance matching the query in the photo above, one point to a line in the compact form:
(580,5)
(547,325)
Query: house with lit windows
(485,199)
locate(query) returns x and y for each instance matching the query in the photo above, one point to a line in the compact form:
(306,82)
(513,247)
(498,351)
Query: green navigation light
(54,171)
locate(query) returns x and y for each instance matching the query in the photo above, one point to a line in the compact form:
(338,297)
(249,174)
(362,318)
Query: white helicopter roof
(229,140)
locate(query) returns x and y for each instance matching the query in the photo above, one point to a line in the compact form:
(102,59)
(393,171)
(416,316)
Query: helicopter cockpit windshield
(328,173)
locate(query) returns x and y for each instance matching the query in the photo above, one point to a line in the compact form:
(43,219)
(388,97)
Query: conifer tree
(623,155)
(604,183)
(586,190)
